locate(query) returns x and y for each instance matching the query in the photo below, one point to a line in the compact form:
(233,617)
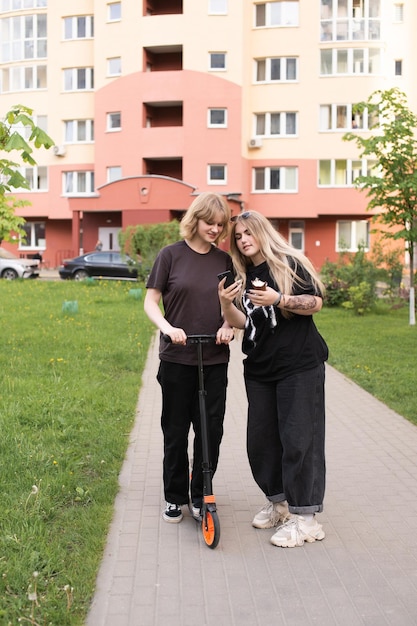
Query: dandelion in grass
(34,492)
(70,597)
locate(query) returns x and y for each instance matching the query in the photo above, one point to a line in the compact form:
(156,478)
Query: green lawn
(378,351)
(68,395)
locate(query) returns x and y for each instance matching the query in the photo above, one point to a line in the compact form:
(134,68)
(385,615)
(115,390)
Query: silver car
(11,267)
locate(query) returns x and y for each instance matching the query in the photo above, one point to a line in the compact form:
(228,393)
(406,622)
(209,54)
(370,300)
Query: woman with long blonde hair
(276,292)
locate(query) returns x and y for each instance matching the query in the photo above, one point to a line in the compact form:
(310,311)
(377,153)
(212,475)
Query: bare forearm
(301,305)
(233,316)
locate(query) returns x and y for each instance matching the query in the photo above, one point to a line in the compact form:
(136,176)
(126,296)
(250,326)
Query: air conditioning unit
(59,150)
(255,142)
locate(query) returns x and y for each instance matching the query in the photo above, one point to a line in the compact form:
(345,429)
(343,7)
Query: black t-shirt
(279,346)
(188,283)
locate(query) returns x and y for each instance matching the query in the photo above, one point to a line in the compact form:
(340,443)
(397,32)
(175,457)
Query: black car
(111,265)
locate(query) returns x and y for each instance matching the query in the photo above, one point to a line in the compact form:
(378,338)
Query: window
(342,172)
(350,61)
(114,121)
(78,183)
(217,118)
(281,13)
(36,176)
(79,131)
(217,60)
(296,234)
(114,173)
(26,131)
(283,69)
(23,37)
(114,11)
(114,66)
(20,5)
(334,117)
(79,27)
(350,20)
(276,124)
(78,79)
(350,235)
(398,67)
(217,7)
(23,78)
(399,12)
(216,175)
(275,179)
(35,236)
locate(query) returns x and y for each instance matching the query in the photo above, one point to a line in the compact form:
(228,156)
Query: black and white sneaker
(195,511)
(172,513)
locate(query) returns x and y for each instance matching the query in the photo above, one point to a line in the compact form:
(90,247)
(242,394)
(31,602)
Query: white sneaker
(272,514)
(296,531)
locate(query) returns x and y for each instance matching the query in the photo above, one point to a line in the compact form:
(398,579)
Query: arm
(231,313)
(305,304)
(153,311)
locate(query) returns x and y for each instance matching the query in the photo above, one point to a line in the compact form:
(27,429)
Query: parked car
(96,264)
(12,267)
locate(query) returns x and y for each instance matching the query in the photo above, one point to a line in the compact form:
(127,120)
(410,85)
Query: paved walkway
(364,572)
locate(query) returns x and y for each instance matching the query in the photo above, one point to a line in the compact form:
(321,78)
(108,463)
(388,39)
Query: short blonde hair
(204,207)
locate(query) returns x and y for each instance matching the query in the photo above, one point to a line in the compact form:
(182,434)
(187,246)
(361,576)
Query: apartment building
(150,102)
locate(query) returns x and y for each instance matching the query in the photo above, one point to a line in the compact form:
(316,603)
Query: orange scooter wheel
(211,528)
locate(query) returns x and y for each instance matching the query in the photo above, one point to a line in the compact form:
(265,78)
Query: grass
(69,386)
(68,393)
(378,351)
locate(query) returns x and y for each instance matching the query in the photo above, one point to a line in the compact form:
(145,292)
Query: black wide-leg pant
(285,439)
(180,409)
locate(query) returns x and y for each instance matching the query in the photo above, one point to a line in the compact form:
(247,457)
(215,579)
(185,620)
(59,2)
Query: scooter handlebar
(192,338)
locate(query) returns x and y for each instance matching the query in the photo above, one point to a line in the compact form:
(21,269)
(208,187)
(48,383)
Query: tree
(12,140)
(392,188)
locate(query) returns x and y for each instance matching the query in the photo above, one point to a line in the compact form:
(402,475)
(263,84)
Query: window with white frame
(280,69)
(35,236)
(78,183)
(23,37)
(296,234)
(79,27)
(217,174)
(399,12)
(342,117)
(36,176)
(26,78)
(343,172)
(217,118)
(79,131)
(281,13)
(351,235)
(114,121)
(217,61)
(114,11)
(282,124)
(217,7)
(351,20)
(21,5)
(78,79)
(114,66)
(350,61)
(26,131)
(275,179)
(114,172)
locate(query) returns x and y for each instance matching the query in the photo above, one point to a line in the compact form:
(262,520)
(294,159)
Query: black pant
(285,439)
(180,409)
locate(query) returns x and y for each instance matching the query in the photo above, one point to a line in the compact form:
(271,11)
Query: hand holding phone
(230,279)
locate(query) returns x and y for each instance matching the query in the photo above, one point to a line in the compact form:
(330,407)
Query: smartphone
(230,279)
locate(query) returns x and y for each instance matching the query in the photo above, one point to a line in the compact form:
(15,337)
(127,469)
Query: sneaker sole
(172,520)
(287,543)
(268,524)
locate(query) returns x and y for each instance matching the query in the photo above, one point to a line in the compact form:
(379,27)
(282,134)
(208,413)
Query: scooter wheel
(211,528)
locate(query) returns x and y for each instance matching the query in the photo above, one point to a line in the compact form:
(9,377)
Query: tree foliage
(12,141)
(393,189)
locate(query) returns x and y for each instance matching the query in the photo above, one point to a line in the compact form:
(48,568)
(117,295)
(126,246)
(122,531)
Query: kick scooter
(210,524)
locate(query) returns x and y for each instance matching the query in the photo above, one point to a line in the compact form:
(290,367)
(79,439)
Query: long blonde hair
(282,258)
(204,207)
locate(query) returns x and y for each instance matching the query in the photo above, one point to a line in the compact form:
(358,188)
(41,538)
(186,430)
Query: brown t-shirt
(188,283)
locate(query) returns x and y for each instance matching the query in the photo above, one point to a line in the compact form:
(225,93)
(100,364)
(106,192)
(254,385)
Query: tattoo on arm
(300,303)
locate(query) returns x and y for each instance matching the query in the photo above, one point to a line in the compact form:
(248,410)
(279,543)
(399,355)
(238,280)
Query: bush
(361,298)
